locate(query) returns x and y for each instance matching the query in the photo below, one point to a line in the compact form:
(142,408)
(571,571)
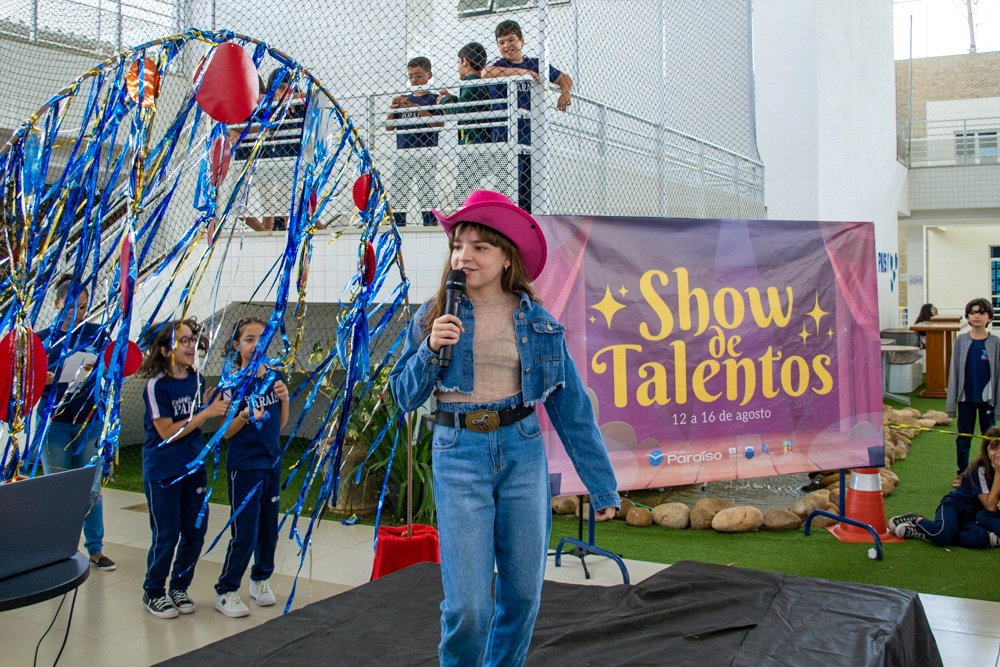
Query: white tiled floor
(111,629)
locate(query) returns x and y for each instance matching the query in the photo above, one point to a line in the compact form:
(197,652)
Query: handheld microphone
(454,290)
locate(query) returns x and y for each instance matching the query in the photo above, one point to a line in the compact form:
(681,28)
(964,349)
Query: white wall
(958,265)
(825,90)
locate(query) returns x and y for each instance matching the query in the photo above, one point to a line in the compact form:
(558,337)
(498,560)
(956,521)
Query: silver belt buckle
(482,421)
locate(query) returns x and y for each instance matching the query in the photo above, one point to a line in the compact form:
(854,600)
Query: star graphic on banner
(830,333)
(623,291)
(817,314)
(608,306)
(592,319)
(804,335)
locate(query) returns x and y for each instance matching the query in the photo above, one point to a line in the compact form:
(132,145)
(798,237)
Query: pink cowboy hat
(498,212)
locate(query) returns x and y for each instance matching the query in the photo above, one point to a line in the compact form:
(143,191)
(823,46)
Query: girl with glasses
(174,494)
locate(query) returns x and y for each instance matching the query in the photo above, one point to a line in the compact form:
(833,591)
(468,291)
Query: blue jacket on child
(548,375)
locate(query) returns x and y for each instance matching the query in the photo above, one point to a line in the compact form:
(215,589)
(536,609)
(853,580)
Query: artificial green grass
(925,477)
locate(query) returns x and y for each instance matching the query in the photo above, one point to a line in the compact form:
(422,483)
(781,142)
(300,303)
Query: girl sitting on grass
(967,516)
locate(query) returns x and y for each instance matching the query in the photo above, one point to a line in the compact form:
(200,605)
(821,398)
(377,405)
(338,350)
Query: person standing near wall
(973,379)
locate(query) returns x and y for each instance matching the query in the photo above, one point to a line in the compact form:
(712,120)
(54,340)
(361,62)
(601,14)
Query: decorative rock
(705,510)
(640,517)
(830,479)
(940,418)
(822,496)
(890,474)
(822,522)
(888,462)
(913,412)
(781,520)
(802,508)
(627,506)
(927,423)
(585,508)
(887,486)
(900,454)
(672,515)
(738,520)
(890,451)
(835,496)
(565,504)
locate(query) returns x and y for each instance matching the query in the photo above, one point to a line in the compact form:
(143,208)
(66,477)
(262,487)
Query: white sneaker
(262,593)
(994,540)
(231,605)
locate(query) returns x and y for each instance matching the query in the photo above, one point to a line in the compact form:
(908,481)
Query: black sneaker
(103,563)
(897,521)
(160,607)
(909,531)
(182,601)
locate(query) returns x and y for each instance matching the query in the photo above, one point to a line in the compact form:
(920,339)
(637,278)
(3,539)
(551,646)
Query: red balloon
(220,157)
(362,191)
(369,263)
(228,91)
(123,273)
(38,368)
(133,357)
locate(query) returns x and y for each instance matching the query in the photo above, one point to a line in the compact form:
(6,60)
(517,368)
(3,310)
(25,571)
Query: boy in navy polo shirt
(71,440)
(973,379)
(253,462)
(512,62)
(413,164)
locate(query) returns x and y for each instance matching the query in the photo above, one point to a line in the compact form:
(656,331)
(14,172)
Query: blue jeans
(954,526)
(989,521)
(968,414)
(493,507)
(63,450)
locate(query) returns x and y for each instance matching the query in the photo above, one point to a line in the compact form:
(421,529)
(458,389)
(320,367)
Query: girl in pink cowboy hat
(491,482)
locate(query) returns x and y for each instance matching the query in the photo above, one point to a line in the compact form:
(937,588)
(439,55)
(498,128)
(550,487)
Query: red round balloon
(219,158)
(38,368)
(228,91)
(362,191)
(133,357)
(369,263)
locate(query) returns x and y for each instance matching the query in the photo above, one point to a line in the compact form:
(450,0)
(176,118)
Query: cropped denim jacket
(548,375)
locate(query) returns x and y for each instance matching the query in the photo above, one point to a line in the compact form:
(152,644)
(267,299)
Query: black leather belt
(484,421)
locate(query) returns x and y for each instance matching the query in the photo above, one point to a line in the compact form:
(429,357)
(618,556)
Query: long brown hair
(992,435)
(154,361)
(514,280)
(238,334)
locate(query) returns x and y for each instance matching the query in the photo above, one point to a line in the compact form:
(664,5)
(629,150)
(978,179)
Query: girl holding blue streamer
(174,493)
(253,462)
(491,481)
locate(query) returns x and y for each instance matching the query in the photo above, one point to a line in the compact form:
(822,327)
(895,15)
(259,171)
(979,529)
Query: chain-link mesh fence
(590,107)
(948,110)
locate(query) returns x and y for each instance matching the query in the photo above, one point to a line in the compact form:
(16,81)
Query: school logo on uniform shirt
(182,406)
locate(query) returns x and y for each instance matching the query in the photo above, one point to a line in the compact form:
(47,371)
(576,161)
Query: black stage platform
(689,614)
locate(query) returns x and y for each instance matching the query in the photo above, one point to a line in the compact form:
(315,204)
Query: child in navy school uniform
(253,462)
(966,517)
(173,399)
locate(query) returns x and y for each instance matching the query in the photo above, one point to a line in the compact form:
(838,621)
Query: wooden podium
(939,336)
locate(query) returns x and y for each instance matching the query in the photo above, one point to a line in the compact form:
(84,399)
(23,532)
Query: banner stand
(843,518)
(583,549)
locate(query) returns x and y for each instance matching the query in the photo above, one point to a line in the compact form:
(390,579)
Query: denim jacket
(548,375)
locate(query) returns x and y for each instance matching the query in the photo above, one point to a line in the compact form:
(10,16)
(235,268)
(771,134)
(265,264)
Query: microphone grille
(456,280)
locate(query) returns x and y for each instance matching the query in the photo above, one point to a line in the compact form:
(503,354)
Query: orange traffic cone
(864,504)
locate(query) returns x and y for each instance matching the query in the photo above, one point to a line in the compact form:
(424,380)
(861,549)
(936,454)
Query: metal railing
(595,159)
(948,143)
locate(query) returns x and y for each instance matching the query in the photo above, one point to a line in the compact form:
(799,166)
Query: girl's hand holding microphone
(444,331)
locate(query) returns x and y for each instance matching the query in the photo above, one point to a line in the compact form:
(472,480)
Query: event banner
(719,349)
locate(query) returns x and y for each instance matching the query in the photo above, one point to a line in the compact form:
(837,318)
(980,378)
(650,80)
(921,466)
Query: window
(995,281)
(480,7)
(977,147)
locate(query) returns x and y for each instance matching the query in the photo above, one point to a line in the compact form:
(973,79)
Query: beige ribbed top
(494,347)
